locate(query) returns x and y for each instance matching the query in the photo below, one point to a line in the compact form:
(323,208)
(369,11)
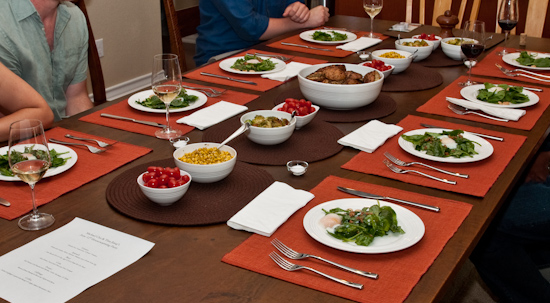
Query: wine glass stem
(506,39)
(470,70)
(168,115)
(371,27)
(34,209)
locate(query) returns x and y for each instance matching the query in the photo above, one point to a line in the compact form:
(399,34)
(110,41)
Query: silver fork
(398,170)
(100,143)
(403,163)
(457,109)
(505,70)
(92,149)
(511,74)
(212,94)
(292,254)
(280,57)
(284,264)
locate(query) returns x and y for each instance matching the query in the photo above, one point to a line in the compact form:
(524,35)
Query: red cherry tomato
(172,183)
(148,176)
(185,178)
(153,183)
(163,186)
(163,179)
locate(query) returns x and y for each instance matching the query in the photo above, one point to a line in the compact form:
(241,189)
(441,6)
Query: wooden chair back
(439,8)
(180,23)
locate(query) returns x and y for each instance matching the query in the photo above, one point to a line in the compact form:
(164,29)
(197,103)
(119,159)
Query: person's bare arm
(77,99)
(297,12)
(277,26)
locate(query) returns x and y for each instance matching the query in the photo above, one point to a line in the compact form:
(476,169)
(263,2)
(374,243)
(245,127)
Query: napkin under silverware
(505,113)
(291,70)
(359,44)
(270,209)
(370,136)
(213,114)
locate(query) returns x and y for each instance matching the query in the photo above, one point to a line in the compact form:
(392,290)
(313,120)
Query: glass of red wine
(507,19)
(473,44)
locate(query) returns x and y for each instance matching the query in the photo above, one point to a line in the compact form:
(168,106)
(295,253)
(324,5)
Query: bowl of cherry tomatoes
(305,110)
(164,185)
(380,65)
(430,37)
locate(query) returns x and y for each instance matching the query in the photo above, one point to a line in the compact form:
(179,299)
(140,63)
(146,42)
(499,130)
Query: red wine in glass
(471,50)
(507,25)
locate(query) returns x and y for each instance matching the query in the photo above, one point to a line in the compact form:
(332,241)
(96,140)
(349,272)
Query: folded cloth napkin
(270,209)
(359,44)
(370,136)
(505,113)
(213,114)
(404,27)
(291,70)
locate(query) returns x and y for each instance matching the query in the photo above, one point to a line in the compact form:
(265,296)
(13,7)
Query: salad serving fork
(286,265)
(457,109)
(100,143)
(212,93)
(92,149)
(398,170)
(292,254)
(514,73)
(399,162)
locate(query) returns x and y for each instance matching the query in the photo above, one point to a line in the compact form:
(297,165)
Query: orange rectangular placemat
(123,109)
(482,173)
(264,84)
(438,105)
(398,271)
(85,170)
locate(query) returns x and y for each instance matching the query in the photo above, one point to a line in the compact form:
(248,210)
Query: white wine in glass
(29,159)
(166,84)
(507,19)
(372,8)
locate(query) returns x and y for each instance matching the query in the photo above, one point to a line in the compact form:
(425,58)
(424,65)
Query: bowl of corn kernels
(205,162)
(400,59)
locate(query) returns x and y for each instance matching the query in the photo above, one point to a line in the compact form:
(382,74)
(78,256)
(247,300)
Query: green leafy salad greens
(432,145)
(508,94)
(361,226)
(182,100)
(531,60)
(253,63)
(325,36)
(5,169)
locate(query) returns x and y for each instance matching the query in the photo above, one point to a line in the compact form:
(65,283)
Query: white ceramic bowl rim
(370,69)
(230,149)
(264,112)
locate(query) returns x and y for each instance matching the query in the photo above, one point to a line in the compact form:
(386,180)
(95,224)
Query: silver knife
(4,202)
(372,196)
(481,135)
(133,120)
(306,46)
(228,78)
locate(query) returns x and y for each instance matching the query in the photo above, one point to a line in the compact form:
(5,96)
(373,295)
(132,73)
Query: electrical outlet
(99,45)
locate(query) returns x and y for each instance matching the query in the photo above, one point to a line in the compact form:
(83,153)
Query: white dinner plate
(52,171)
(308,36)
(471,92)
(227,63)
(412,225)
(511,59)
(148,93)
(484,151)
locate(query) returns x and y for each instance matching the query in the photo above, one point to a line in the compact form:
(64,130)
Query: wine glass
(472,46)
(373,8)
(29,159)
(507,19)
(166,83)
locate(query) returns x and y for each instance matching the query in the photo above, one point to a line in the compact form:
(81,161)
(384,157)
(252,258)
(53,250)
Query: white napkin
(370,136)
(270,209)
(359,44)
(505,113)
(291,70)
(213,114)
(404,27)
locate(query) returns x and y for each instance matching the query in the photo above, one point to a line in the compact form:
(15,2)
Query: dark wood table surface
(185,266)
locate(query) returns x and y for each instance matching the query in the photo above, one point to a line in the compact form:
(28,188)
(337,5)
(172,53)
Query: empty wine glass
(166,84)
(472,46)
(507,19)
(29,159)
(372,8)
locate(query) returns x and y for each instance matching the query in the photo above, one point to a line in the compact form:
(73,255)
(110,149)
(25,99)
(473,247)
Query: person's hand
(539,171)
(317,16)
(297,12)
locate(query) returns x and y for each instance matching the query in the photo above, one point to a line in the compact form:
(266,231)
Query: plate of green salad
(409,231)
(63,158)
(147,101)
(252,64)
(445,145)
(328,36)
(529,60)
(499,95)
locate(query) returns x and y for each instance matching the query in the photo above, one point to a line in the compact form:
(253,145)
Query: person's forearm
(279,26)
(26,113)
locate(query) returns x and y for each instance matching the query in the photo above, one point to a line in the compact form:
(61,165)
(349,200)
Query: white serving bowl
(435,42)
(386,73)
(400,64)
(340,96)
(422,52)
(164,196)
(301,121)
(205,173)
(269,136)
(453,51)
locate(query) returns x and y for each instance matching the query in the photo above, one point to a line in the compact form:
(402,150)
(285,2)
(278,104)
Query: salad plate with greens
(528,60)
(328,36)
(499,95)
(147,101)
(252,64)
(396,227)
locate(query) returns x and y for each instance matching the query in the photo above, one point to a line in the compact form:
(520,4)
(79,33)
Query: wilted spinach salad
(444,144)
(5,169)
(326,36)
(182,100)
(531,60)
(502,94)
(362,226)
(253,63)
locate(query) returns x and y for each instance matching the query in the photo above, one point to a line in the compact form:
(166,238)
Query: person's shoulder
(73,10)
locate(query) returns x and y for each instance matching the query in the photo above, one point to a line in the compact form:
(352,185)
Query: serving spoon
(234,135)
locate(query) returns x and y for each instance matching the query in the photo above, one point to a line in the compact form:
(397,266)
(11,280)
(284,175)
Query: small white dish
(297,167)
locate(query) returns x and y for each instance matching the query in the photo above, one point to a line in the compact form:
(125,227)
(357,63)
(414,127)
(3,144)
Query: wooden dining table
(185,263)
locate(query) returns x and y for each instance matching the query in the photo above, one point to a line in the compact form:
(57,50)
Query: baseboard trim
(125,88)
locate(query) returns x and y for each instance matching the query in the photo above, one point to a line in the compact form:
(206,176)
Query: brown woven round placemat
(438,59)
(315,141)
(414,78)
(203,203)
(383,106)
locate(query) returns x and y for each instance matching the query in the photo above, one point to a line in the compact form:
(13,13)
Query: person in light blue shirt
(45,42)
(228,25)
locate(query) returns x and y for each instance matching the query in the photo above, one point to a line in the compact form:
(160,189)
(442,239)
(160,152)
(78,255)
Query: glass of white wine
(373,8)
(166,84)
(29,159)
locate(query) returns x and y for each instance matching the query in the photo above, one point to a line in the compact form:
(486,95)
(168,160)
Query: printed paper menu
(63,263)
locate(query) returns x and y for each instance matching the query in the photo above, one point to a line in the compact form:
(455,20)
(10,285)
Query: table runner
(87,168)
(438,59)
(479,182)
(398,272)
(264,84)
(438,105)
(123,109)
(414,78)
